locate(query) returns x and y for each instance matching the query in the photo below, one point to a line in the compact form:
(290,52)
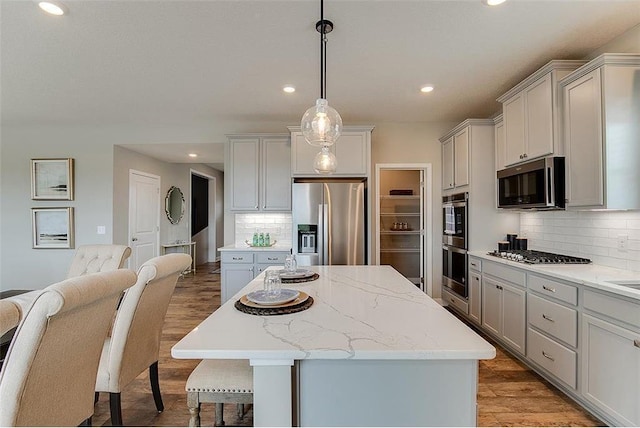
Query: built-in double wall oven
(454,243)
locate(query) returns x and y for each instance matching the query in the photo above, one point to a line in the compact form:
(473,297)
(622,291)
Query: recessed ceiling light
(426,89)
(193,155)
(289,89)
(53,8)
(493,2)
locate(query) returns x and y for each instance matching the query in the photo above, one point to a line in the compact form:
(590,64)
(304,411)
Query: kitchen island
(373,350)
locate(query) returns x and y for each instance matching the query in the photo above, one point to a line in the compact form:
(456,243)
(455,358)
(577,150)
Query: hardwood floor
(509,394)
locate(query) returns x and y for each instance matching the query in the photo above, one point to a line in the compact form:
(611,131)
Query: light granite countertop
(245,247)
(359,312)
(590,275)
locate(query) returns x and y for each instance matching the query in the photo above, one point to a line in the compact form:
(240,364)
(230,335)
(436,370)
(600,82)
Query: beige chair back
(135,339)
(9,316)
(98,258)
(50,370)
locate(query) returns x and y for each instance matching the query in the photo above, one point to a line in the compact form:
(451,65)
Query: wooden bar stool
(219,382)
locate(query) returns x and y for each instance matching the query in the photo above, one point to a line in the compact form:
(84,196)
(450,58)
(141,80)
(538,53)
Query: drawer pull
(548,318)
(636,343)
(544,354)
(551,289)
(238,258)
(272,258)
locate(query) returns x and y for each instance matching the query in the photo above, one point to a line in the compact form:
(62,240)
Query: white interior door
(144,217)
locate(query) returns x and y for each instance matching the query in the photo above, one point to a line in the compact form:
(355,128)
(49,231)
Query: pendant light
(321,125)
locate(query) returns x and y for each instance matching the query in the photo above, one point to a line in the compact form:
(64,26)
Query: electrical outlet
(102,230)
(622,242)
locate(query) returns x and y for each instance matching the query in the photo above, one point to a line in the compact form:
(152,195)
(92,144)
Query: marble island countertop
(590,275)
(246,247)
(359,312)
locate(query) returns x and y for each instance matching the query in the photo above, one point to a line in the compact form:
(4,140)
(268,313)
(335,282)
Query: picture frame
(52,227)
(52,179)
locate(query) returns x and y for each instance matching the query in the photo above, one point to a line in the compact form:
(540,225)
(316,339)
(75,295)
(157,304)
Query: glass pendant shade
(321,125)
(325,162)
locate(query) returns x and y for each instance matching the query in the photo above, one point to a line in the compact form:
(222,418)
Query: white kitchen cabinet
(600,105)
(455,160)
(503,308)
(499,142)
(259,172)
(448,167)
(611,369)
(352,151)
(462,147)
(475,297)
(238,268)
(531,114)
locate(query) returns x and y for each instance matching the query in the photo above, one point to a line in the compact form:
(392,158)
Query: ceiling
(219,66)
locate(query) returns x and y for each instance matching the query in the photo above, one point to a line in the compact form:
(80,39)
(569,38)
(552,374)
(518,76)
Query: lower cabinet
(238,268)
(503,312)
(611,369)
(475,300)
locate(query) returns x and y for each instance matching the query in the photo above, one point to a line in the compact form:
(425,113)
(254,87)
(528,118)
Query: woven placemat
(297,280)
(274,310)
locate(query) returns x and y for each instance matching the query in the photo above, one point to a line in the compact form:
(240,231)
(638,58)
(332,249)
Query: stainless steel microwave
(538,184)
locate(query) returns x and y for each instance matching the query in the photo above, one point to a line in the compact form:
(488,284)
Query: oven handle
(454,204)
(454,249)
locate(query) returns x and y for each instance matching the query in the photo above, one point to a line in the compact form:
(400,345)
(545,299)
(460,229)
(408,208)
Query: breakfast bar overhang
(372,350)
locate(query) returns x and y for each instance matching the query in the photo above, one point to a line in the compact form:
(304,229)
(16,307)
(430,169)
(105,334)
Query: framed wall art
(52,227)
(52,179)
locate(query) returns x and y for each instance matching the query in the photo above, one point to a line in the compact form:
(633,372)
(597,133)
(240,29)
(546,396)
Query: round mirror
(174,205)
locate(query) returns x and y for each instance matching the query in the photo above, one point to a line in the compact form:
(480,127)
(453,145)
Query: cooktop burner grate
(538,257)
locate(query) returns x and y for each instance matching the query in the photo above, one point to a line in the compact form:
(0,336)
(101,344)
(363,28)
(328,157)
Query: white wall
(21,266)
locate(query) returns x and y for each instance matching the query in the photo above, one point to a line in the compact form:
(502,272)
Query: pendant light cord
(323,53)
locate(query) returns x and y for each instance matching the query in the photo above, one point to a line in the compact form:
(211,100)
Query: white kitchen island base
(387,392)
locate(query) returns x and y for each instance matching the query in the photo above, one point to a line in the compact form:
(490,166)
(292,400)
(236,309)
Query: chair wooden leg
(240,409)
(219,414)
(96,397)
(86,422)
(155,386)
(193,403)
(116,409)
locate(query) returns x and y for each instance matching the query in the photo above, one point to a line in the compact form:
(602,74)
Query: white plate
(260,297)
(299,273)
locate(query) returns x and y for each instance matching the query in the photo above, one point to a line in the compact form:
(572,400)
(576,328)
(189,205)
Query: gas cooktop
(538,257)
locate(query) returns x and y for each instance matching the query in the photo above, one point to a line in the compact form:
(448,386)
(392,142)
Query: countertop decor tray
(301,303)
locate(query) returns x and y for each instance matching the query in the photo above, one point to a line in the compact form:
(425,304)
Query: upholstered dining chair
(135,336)
(9,316)
(50,369)
(219,382)
(98,258)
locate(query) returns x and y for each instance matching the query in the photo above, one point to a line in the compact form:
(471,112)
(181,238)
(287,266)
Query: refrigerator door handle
(325,235)
(320,235)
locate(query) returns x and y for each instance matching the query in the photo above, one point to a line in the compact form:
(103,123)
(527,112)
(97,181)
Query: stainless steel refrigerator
(329,222)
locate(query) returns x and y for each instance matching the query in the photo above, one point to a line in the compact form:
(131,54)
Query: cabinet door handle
(520,156)
(544,354)
(636,343)
(551,289)
(499,287)
(548,318)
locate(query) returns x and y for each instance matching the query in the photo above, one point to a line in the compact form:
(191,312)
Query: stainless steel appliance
(454,220)
(538,257)
(537,184)
(333,214)
(454,240)
(454,270)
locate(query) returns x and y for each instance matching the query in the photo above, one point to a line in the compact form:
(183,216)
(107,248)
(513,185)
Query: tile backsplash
(278,225)
(592,234)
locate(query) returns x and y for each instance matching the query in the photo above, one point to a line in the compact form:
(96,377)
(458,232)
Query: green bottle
(267,240)
(261,240)
(254,243)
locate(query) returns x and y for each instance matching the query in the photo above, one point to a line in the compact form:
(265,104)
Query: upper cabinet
(499,142)
(456,150)
(601,116)
(352,151)
(259,171)
(531,114)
